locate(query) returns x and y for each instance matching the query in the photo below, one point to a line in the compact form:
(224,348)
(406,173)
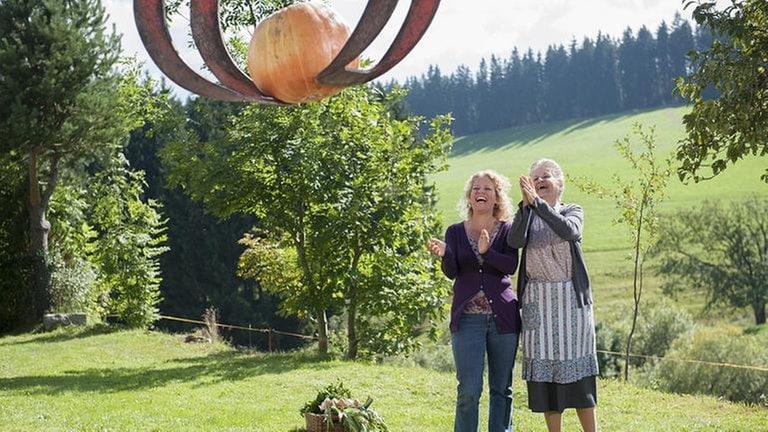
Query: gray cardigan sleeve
(519,230)
(567,223)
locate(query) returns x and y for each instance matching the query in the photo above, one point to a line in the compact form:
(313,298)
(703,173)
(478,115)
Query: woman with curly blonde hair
(485,316)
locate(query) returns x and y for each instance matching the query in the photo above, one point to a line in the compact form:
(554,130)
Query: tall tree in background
(57,87)
(725,129)
(555,84)
(531,72)
(681,42)
(605,70)
(664,64)
(464,104)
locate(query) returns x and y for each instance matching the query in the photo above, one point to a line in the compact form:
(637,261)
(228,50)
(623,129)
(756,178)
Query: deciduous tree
(722,130)
(342,185)
(720,251)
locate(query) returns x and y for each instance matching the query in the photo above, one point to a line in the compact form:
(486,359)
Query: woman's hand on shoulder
(436,247)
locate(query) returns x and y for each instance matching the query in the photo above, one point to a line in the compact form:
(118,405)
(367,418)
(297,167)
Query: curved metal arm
(415,25)
(204,17)
(236,86)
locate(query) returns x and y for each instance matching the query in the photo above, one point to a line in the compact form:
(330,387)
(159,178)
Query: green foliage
(607,339)
(127,249)
(276,269)
(15,266)
(723,130)
(660,324)
(721,251)
(58,112)
(56,60)
(341,186)
(73,281)
(717,345)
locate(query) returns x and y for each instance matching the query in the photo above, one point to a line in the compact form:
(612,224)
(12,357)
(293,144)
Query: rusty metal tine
(206,31)
(150,22)
(375,16)
(417,21)
(419,17)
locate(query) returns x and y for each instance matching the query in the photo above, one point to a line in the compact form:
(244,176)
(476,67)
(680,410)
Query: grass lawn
(97,380)
(586,148)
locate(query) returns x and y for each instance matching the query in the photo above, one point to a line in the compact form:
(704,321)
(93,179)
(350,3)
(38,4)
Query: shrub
(660,324)
(717,345)
(607,339)
(73,286)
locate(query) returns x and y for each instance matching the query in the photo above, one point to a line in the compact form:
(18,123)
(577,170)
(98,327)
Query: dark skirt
(545,396)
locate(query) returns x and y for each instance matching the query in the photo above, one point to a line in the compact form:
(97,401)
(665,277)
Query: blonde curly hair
(502,211)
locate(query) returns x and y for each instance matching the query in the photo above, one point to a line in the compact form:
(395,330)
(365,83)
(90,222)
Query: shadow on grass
(64,334)
(216,367)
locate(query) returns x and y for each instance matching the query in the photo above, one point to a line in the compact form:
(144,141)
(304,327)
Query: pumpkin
(291,46)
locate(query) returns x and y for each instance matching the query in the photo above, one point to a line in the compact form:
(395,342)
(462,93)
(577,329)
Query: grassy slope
(585,148)
(141,381)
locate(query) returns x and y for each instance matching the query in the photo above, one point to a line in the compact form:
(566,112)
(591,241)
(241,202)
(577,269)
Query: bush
(717,345)
(73,286)
(660,324)
(607,339)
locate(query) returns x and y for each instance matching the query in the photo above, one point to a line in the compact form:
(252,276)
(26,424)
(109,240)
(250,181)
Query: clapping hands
(528,190)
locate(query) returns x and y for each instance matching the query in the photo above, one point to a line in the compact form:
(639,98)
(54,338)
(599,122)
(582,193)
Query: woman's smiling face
(482,196)
(547,187)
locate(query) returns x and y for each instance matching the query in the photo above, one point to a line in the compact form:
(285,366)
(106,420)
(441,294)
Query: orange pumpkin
(290,47)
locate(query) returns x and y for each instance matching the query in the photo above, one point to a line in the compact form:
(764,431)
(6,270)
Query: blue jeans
(477,336)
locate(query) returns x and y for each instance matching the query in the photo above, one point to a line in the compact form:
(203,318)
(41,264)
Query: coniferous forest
(585,79)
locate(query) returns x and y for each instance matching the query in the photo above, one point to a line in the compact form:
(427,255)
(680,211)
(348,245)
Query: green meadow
(97,380)
(585,148)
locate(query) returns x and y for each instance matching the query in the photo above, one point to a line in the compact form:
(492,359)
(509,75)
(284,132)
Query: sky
(462,32)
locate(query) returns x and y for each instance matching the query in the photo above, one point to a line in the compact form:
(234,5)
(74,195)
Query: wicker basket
(316,423)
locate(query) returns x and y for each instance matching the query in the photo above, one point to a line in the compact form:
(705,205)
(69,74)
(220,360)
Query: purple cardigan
(499,262)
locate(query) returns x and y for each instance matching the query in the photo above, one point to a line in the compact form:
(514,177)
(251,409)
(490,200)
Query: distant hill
(586,148)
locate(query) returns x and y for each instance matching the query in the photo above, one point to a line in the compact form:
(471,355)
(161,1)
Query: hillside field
(586,149)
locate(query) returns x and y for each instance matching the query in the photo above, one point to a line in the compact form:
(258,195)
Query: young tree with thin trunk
(637,201)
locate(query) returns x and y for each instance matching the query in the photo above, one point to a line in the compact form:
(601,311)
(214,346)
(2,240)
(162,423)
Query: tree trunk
(637,285)
(352,339)
(352,342)
(759,309)
(322,332)
(39,228)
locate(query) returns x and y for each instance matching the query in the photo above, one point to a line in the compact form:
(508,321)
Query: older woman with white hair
(558,332)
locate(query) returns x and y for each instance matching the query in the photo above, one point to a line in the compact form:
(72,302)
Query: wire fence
(271,331)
